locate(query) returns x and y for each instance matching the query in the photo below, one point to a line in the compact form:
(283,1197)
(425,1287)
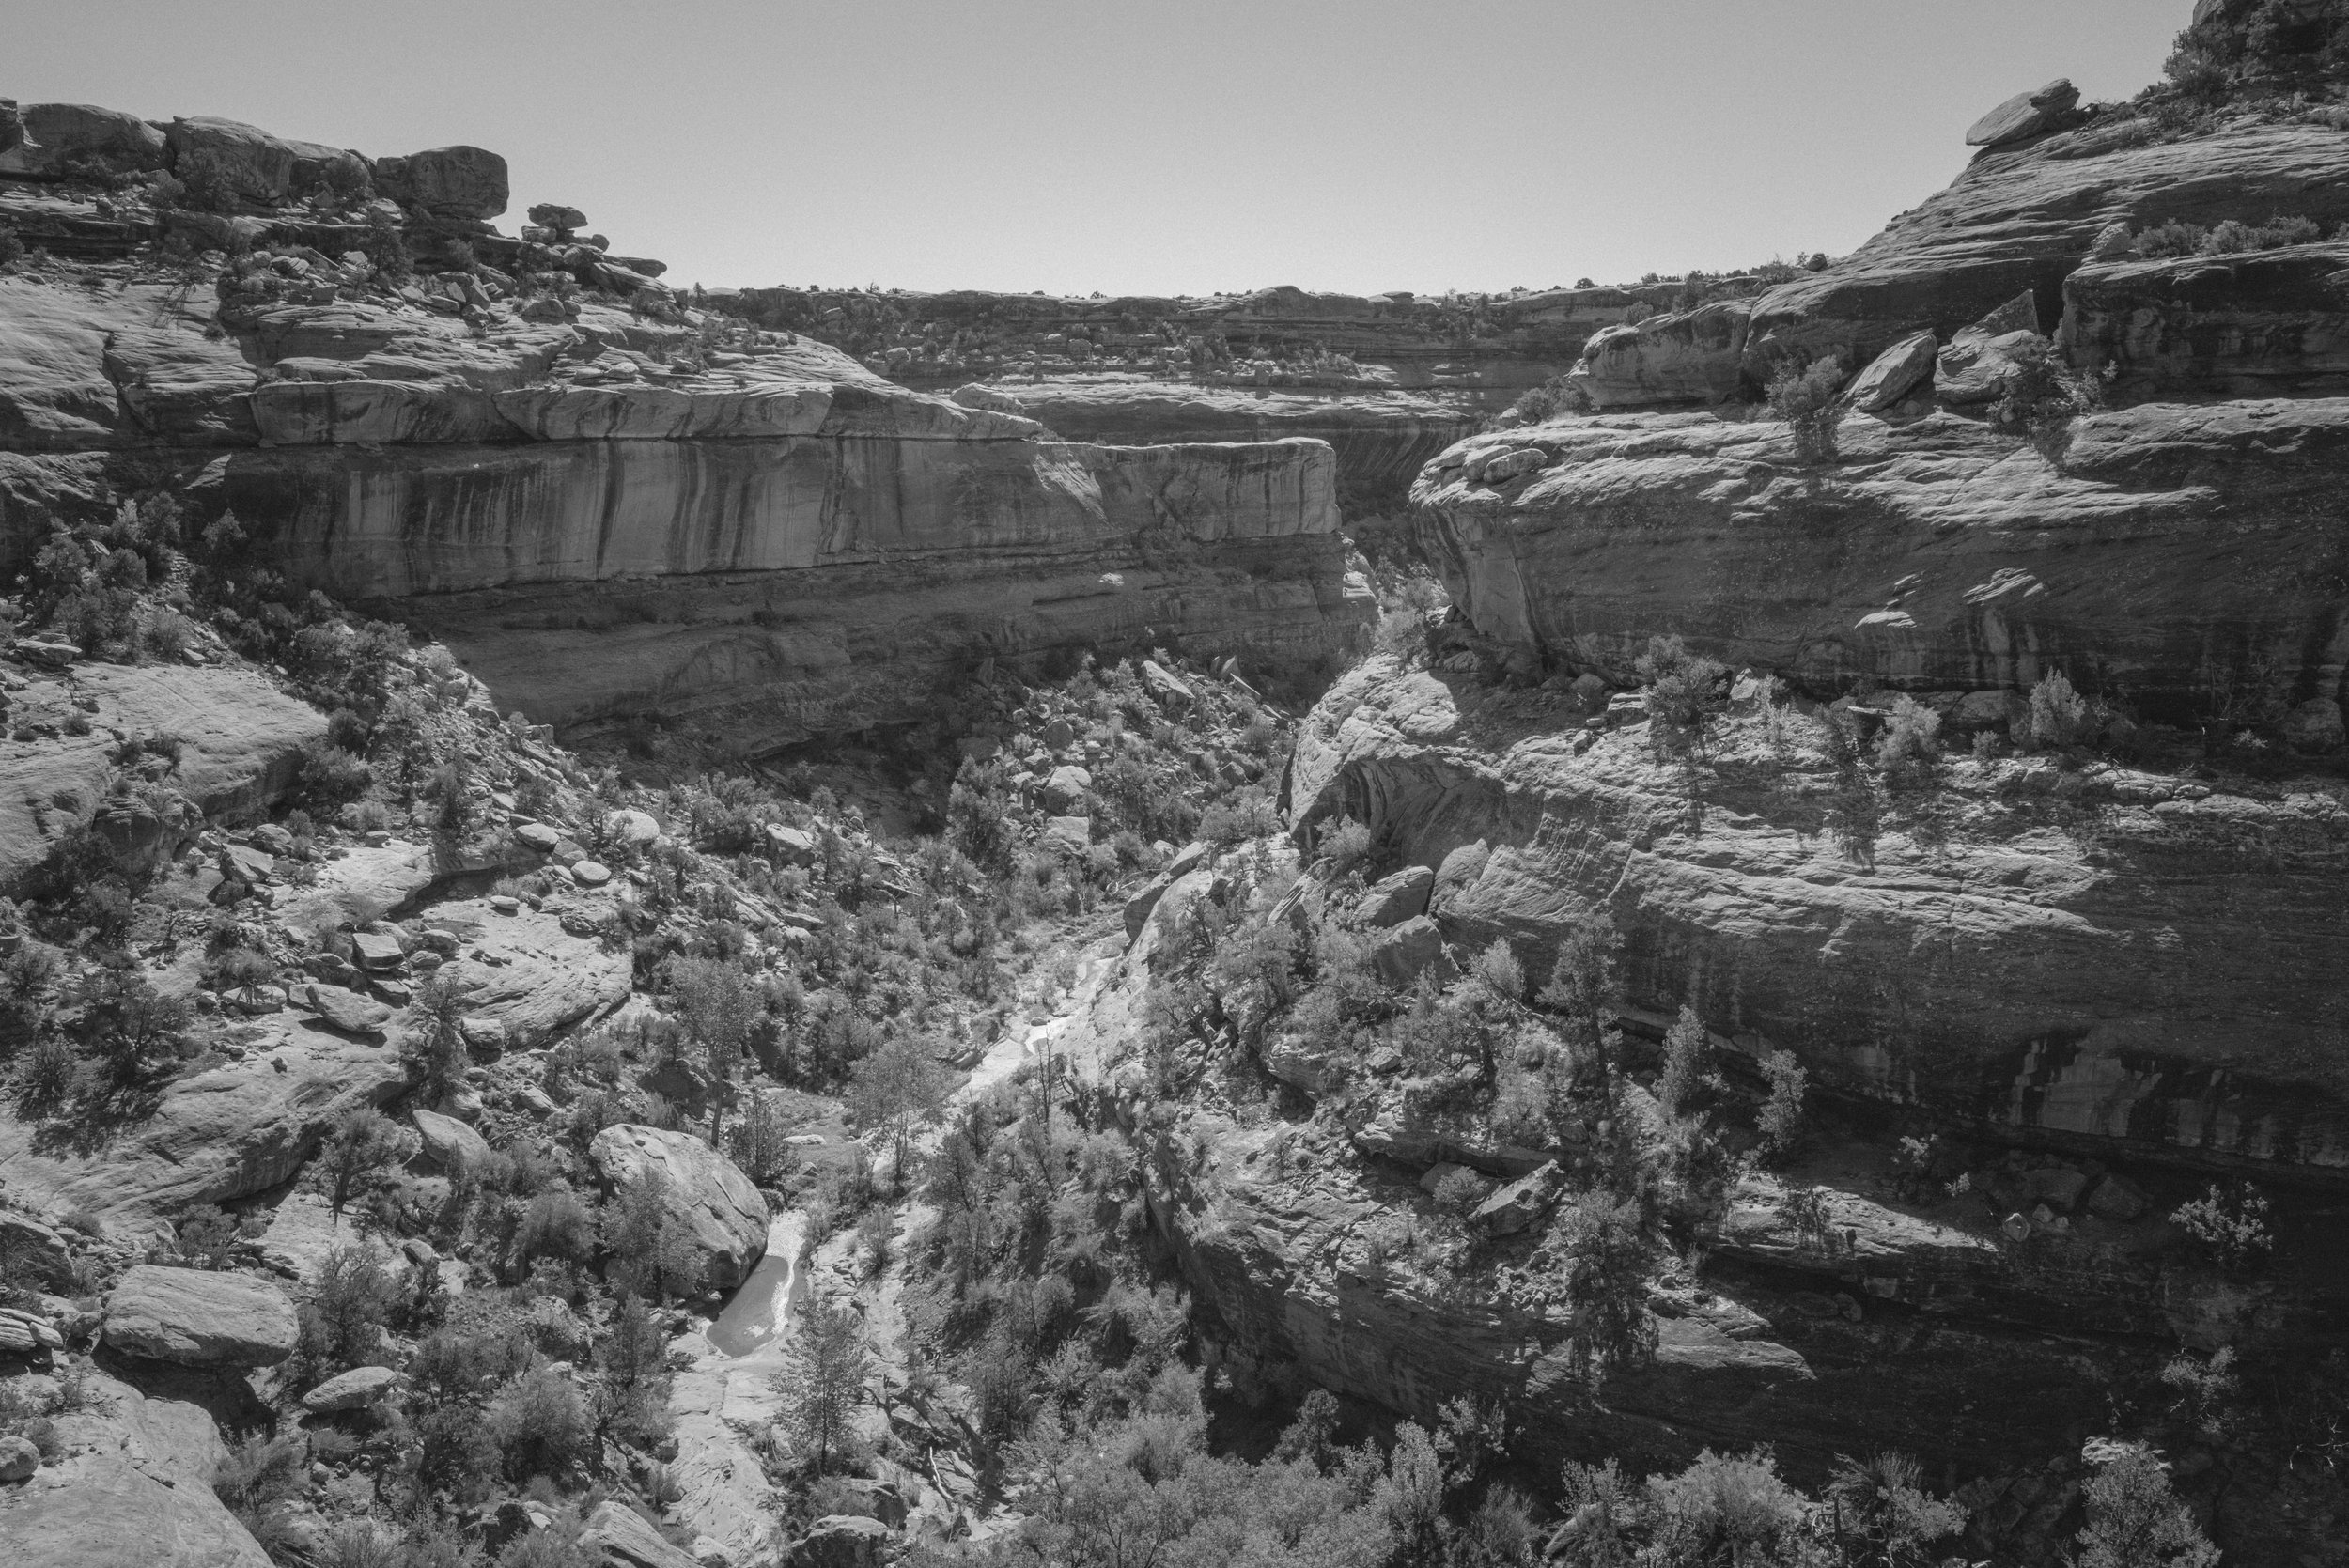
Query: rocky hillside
(528,443)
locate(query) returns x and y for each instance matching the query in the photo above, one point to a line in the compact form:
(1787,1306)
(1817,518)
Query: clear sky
(1353,145)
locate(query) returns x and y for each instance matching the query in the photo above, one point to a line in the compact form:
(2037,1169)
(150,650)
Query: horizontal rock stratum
(2175,550)
(784,543)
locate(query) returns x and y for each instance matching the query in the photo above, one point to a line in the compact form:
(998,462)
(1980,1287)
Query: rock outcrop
(2027,214)
(792,543)
(133,1489)
(2168,548)
(710,1200)
(2109,956)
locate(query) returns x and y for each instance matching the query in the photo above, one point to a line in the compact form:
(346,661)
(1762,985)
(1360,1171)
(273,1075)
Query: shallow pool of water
(760,1311)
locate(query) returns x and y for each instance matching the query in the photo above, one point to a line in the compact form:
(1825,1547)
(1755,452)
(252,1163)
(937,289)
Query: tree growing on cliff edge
(1805,396)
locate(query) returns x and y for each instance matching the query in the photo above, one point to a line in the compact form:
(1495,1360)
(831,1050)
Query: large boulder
(449,1143)
(1403,952)
(1896,373)
(461,182)
(1522,1203)
(708,1195)
(201,1319)
(617,1536)
(1392,900)
(140,831)
(57,135)
(2026,114)
(30,1251)
(248,162)
(356,1389)
(1691,356)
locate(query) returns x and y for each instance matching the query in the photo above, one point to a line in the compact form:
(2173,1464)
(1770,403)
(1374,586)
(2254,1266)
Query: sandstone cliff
(412,425)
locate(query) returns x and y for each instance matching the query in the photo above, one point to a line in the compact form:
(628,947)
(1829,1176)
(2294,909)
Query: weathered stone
(590,874)
(1163,684)
(720,1210)
(1691,356)
(59,133)
(1067,835)
(348,1010)
(1522,1203)
(537,836)
(639,830)
(199,1318)
(376,950)
(1403,952)
(356,1389)
(1394,899)
(446,182)
(840,1541)
(1896,373)
(449,1142)
(617,1536)
(1066,786)
(19,1459)
(2026,114)
(796,845)
(30,1252)
(249,162)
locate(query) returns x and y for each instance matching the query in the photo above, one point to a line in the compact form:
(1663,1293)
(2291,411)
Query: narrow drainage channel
(755,1319)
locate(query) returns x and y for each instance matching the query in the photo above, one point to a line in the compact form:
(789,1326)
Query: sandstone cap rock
(2026,114)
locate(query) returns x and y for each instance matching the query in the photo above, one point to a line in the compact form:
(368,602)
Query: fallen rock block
(348,1010)
(619,1537)
(1392,900)
(713,1202)
(1522,1203)
(449,1143)
(201,1319)
(355,1389)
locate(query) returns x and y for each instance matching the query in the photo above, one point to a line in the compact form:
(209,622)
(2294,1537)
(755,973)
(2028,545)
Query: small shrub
(2135,1520)
(2229,1227)
(540,1426)
(2058,715)
(1806,398)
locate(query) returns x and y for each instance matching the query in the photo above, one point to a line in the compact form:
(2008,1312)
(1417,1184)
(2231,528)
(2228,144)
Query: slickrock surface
(134,1490)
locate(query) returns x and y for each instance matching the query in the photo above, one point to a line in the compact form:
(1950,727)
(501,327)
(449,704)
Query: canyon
(1379,795)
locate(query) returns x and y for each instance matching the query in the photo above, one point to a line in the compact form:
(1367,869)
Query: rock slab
(201,1319)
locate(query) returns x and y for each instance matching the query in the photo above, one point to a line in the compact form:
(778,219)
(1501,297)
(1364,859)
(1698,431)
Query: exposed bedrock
(786,539)
(2105,959)
(2183,558)
(2022,217)
(1285,1278)
(1381,438)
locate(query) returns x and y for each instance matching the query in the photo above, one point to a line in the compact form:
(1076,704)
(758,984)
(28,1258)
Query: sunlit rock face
(786,541)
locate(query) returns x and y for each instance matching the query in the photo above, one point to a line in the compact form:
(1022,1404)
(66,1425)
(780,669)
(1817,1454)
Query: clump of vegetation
(1806,398)
(2229,1226)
